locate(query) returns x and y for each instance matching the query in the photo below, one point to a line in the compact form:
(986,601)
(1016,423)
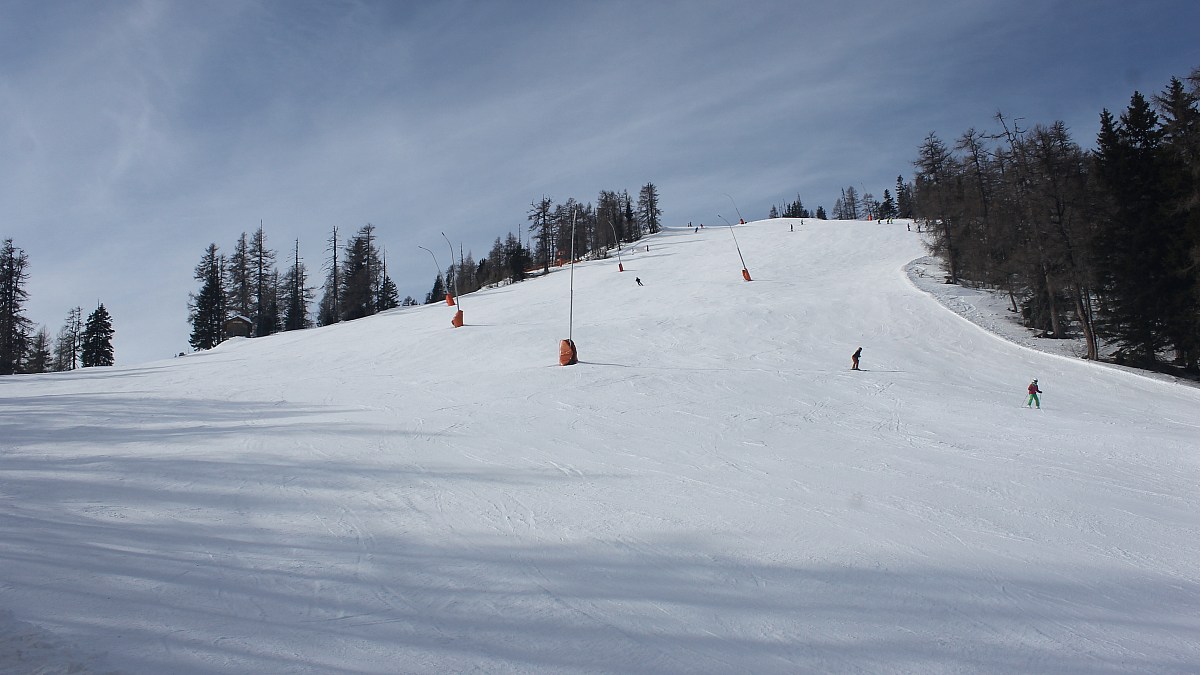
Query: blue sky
(133,134)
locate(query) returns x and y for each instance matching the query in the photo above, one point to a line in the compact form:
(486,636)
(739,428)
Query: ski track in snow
(710,490)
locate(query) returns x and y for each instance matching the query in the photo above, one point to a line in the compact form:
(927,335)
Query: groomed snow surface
(711,490)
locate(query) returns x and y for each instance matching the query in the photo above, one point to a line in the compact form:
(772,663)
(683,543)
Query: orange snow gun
(567,355)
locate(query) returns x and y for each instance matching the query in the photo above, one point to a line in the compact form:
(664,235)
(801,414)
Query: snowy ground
(987,308)
(710,491)
(992,310)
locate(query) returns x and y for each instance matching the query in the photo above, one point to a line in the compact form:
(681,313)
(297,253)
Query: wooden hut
(238,326)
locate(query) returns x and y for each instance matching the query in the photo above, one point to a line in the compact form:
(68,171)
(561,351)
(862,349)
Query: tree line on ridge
(1105,242)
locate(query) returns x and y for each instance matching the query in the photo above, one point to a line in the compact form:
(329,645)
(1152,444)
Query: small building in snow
(238,326)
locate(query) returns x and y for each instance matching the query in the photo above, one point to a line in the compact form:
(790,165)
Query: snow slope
(710,490)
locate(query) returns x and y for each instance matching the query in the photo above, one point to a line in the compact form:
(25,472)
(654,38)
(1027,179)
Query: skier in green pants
(1033,395)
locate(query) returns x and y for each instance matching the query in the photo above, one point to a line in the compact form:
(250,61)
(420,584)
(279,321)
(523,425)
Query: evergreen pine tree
(14,327)
(869,206)
(648,212)
(1180,115)
(263,285)
(274,309)
(208,307)
(329,311)
(542,227)
(566,221)
(97,339)
(452,280)
(795,209)
(517,258)
(938,200)
(360,275)
(627,214)
(387,296)
(468,278)
(39,358)
(239,279)
(887,209)
(437,293)
(1136,244)
(610,226)
(904,202)
(851,204)
(296,295)
(491,268)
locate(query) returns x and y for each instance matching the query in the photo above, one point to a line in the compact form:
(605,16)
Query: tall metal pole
(735,208)
(745,272)
(457,297)
(620,265)
(435,260)
(735,244)
(567,354)
(571,313)
(438,266)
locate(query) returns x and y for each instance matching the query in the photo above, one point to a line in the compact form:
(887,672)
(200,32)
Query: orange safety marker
(567,354)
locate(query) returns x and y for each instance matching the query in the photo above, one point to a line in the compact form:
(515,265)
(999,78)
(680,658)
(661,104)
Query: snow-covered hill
(711,490)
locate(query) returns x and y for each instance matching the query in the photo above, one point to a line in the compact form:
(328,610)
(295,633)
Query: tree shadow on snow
(298,559)
(183,596)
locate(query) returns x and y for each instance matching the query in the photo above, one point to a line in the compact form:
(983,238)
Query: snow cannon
(746,274)
(449,300)
(567,355)
(457,321)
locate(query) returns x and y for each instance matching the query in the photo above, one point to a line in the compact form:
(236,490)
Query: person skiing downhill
(854,358)
(1033,395)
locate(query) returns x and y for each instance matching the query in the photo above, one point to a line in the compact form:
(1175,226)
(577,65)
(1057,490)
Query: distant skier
(791,227)
(854,358)
(1033,395)
(639,281)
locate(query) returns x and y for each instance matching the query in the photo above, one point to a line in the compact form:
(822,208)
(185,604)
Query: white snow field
(711,490)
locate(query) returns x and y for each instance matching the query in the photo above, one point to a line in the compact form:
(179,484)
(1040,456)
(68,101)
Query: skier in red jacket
(1033,395)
